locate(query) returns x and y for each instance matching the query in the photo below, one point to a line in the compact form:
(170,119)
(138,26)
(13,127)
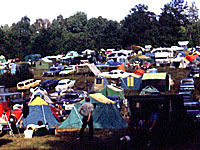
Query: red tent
(139,72)
(191,57)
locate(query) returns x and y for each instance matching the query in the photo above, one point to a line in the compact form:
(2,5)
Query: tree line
(177,22)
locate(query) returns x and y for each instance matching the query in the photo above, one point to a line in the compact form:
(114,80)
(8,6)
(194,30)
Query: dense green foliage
(177,22)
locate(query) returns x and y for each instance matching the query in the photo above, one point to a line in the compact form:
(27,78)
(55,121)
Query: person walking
(86,111)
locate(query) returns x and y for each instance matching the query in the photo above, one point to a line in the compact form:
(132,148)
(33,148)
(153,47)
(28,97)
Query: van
(27,84)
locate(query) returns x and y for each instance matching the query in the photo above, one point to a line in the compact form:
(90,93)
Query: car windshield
(74,96)
(53,69)
(187,82)
(62,84)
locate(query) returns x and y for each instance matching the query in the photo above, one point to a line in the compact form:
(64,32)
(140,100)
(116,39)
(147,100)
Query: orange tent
(121,67)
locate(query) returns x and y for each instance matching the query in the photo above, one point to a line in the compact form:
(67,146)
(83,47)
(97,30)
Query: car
(71,98)
(49,84)
(61,92)
(194,72)
(193,109)
(187,84)
(67,71)
(188,96)
(53,71)
(65,83)
(8,112)
(115,74)
(27,84)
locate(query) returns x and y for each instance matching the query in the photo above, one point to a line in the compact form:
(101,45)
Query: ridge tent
(149,90)
(43,63)
(105,115)
(160,81)
(131,82)
(110,90)
(39,110)
(99,83)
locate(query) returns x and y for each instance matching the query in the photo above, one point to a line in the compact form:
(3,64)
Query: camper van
(163,55)
(27,84)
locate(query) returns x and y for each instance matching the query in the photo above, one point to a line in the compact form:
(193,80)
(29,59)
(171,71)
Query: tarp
(40,92)
(147,76)
(131,82)
(110,90)
(39,110)
(94,69)
(105,115)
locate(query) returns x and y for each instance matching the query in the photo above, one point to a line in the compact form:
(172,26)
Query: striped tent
(131,82)
(39,110)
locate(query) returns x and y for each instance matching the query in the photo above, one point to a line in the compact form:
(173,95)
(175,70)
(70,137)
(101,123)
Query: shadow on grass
(103,139)
(4,142)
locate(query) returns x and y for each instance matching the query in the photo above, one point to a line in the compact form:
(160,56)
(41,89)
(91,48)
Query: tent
(191,57)
(149,90)
(105,115)
(139,72)
(39,110)
(43,63)
(32,57)
(110,90)
(131,82)
(160,80)
(99,83)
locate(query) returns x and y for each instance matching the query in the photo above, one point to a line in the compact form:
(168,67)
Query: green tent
(105,115)
(110,90)
(43,63)
(149,90)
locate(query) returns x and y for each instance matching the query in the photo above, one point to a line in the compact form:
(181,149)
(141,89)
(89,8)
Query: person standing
(86,111)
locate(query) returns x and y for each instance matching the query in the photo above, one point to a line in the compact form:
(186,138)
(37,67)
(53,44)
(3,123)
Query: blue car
(53,71)
(49,84)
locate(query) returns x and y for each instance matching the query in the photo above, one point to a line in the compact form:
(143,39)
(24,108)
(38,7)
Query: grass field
(104,139)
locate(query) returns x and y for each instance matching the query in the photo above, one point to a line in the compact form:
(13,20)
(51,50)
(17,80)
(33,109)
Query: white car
(67,71)
(65,83)
(114,74)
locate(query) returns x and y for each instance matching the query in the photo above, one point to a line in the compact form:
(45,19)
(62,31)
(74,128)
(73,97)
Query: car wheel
(13,121)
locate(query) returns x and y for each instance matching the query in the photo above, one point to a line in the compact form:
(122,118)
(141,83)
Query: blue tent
(39,110)
(131,82)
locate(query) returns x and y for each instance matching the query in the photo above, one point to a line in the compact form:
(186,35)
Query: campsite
(109,128)
(93,83)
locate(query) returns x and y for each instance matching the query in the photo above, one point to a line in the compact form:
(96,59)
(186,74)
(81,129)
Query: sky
(11,11)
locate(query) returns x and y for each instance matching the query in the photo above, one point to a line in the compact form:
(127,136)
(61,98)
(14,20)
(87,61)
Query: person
(86,111)
(41,129)
(125,101)
(152,131)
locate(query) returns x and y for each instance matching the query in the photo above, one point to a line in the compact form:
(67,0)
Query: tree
(19,38)
(194,26)
(172,23)
(139,27)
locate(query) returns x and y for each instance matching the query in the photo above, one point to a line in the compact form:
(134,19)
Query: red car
(9,117)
